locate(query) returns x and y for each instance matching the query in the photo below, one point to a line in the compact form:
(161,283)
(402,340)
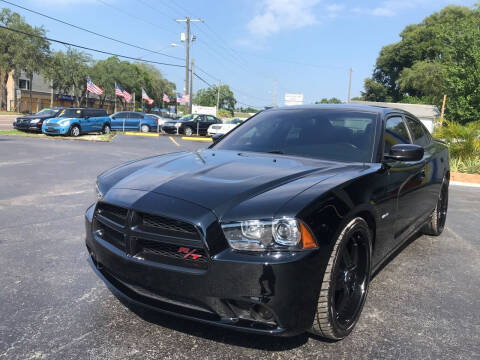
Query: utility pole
(349,86)
(51,94)
(218,95)
(191,86)
(274,102)
(187,21)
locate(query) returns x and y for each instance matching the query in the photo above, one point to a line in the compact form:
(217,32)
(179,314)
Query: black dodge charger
(277,227)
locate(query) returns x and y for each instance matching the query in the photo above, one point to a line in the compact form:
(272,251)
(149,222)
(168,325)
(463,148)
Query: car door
(429,187)
(97,119)
(133,121)
(117,120)
(404,179)
(86,121)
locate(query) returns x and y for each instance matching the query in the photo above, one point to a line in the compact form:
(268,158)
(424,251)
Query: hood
(221,180)
(57,120)
(31,117)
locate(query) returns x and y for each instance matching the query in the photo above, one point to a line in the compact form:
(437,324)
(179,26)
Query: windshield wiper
(275,152)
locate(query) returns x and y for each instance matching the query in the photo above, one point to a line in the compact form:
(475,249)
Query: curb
(140,134)
(192,138)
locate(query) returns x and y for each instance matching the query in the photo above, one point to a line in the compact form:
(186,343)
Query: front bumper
(170,129)
(55,130)
(27,127)
(272,294)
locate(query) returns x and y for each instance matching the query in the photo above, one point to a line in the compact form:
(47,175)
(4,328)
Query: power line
(134,17)
(92,32)
(88,48)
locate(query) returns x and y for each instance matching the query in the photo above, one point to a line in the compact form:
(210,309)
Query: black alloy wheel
(345,283)
(439,216)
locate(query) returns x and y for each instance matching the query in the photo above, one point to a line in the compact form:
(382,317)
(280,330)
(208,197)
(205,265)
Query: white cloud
(277,15)
(333,10)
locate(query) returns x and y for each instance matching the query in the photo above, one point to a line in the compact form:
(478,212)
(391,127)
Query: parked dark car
(191,124)
(277,227)
(132,120)
(34,122)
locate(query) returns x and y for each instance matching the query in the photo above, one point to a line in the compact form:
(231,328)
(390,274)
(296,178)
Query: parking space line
(139,133)
(174,141)
(195,138)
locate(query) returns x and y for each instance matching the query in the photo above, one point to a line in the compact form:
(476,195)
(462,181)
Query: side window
(135,116)
(395,133)
(211,119)
(87,113)
(418,132)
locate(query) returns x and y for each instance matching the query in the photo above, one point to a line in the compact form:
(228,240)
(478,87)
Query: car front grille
(53,125)
(150,237)
(168,226)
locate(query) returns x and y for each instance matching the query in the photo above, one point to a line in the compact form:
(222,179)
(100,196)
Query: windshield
(188,117)
(323,134)
(47,112)
(70,113)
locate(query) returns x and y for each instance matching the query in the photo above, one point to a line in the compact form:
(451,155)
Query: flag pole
(134,101)
(115,97)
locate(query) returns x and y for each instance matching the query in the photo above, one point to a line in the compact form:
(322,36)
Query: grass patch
(468,166)
(87,137)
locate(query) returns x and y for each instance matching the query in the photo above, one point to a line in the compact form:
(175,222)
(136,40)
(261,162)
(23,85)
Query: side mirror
(406,152)
(216,137)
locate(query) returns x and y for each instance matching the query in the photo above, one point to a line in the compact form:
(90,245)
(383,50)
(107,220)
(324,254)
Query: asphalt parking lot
(425,303)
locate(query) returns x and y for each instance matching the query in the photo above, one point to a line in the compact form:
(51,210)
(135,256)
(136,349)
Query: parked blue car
(76,121)
(132,120)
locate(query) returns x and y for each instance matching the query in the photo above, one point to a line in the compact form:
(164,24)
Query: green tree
(332,100)
(208,97)
(375,91)
(419,42)
(68,72)
(425,79)
(18,51)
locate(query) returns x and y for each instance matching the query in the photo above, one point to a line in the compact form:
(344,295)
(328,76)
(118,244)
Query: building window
(24,84)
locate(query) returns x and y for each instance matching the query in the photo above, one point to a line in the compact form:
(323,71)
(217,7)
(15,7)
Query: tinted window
(100,112)
(324,134)
(419,134)
(120,115)
(211,119)
(135,116)
(395,133)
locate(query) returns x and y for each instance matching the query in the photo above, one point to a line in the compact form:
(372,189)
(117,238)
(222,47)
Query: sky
(304,46)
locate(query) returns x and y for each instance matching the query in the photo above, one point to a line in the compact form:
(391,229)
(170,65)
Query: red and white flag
(186,98)
(126,96)
(93,88)
(166,98)
(146,97)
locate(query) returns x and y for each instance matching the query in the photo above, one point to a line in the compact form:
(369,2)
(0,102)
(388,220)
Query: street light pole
(187,21)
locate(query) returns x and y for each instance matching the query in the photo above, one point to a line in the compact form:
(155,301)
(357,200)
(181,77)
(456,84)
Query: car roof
(346,107)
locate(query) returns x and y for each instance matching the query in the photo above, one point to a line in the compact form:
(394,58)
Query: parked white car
(223,128)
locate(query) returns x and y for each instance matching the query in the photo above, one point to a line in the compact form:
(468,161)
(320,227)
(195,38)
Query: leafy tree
(357,98)
(425,79)
(68,72)
(18,51)
(152,80)
(208,97)
(423,41)
(332,100)
(375,91)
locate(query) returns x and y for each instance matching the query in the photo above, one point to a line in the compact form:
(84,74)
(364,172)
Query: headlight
(262,235)
(34,121)
(98,193)
(178,124)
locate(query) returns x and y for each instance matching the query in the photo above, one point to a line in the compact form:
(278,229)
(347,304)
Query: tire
(436,224)
(188,131)
(345,286)
(75,131)
(106,129)
(145,128)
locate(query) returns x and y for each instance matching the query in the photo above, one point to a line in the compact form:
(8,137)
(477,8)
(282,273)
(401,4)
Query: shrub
(463,140)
